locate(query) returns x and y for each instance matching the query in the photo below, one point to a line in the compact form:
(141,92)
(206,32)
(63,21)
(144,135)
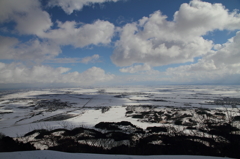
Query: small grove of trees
(8,144)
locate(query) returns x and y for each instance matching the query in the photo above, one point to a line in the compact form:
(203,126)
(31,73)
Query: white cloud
(70,5)
(11,48)
(219,64)
(7,45)
(35,22)
(199,17)
(31,19)
(10,7)
(92,75)
(19,73)
(228,53)
(69,33)
(28,15)
(155,41)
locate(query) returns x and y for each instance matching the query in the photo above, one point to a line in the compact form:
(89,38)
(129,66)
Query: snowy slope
(46,154)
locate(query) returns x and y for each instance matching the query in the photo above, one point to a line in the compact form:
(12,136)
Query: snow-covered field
(23,111)
(61,155)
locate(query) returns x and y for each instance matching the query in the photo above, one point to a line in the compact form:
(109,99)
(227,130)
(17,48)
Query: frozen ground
(61,155)
(24,111)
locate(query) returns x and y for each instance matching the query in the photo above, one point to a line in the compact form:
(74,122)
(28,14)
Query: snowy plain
(25,110)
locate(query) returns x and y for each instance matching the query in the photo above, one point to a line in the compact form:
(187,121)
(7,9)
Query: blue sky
(119,42)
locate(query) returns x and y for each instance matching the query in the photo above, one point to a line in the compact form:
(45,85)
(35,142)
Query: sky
(119,42)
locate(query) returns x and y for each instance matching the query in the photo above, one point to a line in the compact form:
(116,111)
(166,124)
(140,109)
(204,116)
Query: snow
(46,154)
(18,113)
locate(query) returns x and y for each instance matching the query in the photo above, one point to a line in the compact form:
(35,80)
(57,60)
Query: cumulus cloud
(27,14)
(7,45)
(228,53)
(70,5)
(69,33)
(155,41)
(218,64)
(199,17)
(92,75)
(99,32)
(31,19)
(11,48)
(19,73)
